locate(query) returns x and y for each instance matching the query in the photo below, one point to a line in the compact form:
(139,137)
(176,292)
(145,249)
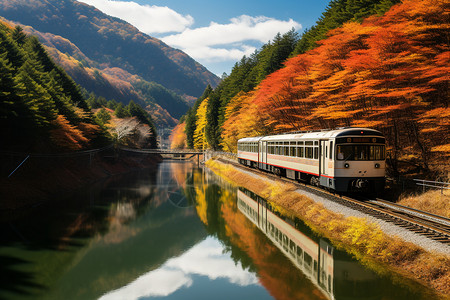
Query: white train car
(342,159)
(335,274)
(314,259)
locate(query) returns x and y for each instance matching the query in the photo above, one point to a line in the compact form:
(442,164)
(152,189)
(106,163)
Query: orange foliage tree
(178,137)
(66,135)
(390,73)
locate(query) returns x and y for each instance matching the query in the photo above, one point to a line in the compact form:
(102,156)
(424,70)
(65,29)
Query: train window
(316,153)
(291,247)
(360,152)
(286,151)
(308,152)
(326,151)
(299,151)
(308,142)
(299,255)
(292,151)
(316,142)
(308,261)
(301,143)
(377,152)
(293,143)
(286,143)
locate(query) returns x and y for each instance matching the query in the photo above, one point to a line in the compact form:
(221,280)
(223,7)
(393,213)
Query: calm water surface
(177,232)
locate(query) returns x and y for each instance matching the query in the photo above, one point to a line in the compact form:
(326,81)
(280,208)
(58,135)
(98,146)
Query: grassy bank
(365,240)
(435,202)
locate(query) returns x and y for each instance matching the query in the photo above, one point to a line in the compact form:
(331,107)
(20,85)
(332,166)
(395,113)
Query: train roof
(251,139)
(327,133)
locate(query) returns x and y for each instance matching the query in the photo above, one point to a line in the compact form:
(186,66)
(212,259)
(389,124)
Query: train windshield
(360,152)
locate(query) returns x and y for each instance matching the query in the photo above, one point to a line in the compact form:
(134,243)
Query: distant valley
(111,58)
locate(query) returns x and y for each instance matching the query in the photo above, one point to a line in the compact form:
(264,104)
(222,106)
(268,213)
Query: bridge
(169,153)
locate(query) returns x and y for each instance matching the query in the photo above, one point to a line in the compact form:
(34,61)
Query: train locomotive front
(343,159)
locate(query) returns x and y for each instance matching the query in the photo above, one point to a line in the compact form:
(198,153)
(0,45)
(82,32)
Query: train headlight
(377,166)
(347,165)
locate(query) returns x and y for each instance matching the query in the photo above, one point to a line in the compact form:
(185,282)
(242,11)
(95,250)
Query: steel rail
(406,217)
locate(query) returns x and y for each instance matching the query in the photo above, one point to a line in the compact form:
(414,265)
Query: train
(335,274)
(345,159)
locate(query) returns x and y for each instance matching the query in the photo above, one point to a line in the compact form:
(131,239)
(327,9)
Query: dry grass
(433,201)
(363,239)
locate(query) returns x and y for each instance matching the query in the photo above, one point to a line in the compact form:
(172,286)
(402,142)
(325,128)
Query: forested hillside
(111,58)
(165,106)
(41,108)
(388,72)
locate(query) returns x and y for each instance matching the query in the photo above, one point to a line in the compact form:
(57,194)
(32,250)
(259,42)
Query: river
(177,232)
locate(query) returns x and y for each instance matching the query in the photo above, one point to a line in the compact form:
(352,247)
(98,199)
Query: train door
(323,163)
(263,155)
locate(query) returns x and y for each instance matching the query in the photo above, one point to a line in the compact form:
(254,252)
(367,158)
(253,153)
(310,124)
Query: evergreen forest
(43,110)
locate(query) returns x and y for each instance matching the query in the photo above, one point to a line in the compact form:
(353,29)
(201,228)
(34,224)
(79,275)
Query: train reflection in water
(340,278)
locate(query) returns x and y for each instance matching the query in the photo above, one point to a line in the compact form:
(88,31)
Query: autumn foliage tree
(242,119)
(200,141)
(178,137)
(389,72)
(41,108)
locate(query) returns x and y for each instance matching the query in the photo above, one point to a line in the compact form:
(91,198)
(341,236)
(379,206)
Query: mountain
(110,57)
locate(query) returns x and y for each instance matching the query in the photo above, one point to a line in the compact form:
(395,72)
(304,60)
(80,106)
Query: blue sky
(215,33)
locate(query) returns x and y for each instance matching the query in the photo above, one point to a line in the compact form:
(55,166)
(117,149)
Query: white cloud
(209,54)
(217,42)
(243,28)
(205,259)
(150,19)
(157,283)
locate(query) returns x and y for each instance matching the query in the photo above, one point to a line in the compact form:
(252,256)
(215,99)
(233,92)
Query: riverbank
(40,179)
(366,240)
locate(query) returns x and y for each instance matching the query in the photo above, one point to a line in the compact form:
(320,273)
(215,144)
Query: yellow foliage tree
(200,141)
(243,119)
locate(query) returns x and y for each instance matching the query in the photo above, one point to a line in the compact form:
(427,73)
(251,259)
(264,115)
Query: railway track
(426,224)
